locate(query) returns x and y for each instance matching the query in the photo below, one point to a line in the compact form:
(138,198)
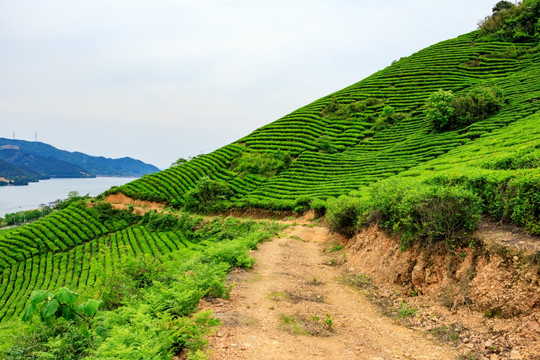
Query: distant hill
(45,167)
(16,175)
(42,160)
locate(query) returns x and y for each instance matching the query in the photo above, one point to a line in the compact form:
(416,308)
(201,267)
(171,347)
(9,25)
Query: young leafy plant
(50,306)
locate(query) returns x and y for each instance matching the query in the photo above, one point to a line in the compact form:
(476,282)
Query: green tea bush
(318,206)
(265,164)
(208,196)
(343,214)
(419,211)
(503,196)
(527,159)
(302,203)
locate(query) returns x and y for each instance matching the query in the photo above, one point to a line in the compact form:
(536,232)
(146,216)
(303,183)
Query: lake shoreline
(21,198)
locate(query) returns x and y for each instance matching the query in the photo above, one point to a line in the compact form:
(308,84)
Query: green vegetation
(395,123)
(22,217)
(151,272)
(446,111)
(513,23)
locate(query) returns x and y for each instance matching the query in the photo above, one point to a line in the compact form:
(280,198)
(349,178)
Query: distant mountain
(44,167)
(43,160)
(16,175)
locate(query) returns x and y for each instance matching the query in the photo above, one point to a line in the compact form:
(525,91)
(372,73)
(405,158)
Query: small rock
(515,355)
(494,357)
(488,344)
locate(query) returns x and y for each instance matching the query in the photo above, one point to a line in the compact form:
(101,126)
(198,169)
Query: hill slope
(344,141)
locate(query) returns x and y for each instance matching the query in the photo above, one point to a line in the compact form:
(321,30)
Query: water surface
(19,198)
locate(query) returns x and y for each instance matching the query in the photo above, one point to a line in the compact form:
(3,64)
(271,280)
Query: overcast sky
(162,79)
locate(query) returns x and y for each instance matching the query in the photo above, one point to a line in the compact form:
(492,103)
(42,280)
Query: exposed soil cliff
(488,293)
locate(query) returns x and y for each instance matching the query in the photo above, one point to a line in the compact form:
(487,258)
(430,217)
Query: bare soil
(485,299)
(294,304)
(120,201)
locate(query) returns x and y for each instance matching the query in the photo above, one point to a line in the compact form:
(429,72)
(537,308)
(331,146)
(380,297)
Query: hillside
(93,165)
(344,142)
(405,165)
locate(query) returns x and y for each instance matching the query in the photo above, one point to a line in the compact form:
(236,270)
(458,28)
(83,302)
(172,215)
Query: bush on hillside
(208,196)
(318,206)
(344,213)
(418,211)
(447,111)
(387,118)
(325,145)
(439,110)
(513,23)
(265,164)
(503,197)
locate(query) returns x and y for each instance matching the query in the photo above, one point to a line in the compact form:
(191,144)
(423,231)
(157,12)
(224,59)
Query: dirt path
(278,311)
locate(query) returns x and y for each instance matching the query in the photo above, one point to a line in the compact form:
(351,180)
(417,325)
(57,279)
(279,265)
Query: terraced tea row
(340,142)
(60,231)
(82,266)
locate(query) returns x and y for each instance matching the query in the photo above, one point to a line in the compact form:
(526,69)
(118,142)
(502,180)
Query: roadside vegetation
(133,293)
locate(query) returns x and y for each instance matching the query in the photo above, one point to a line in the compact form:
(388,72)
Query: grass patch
(361,281)
(307,325)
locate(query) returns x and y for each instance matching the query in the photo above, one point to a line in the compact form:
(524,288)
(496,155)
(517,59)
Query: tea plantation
(454,127)
(372,130)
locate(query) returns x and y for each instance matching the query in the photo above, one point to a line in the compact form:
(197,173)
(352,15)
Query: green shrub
(325,144)
(136,333)
(65,331)
(193,331)
(264,164)
(503,196)
(62,340)
(343,214)
(318,206)
(439,110)
(512,23)
(479,103)
(387,118)
(419,211)
(447,111)
(301,203)
(527,159)
(208,195)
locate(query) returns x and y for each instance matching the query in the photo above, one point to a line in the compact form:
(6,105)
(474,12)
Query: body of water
(19,198)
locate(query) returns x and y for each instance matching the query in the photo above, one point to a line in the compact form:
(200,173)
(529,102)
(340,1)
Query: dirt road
(294,305)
